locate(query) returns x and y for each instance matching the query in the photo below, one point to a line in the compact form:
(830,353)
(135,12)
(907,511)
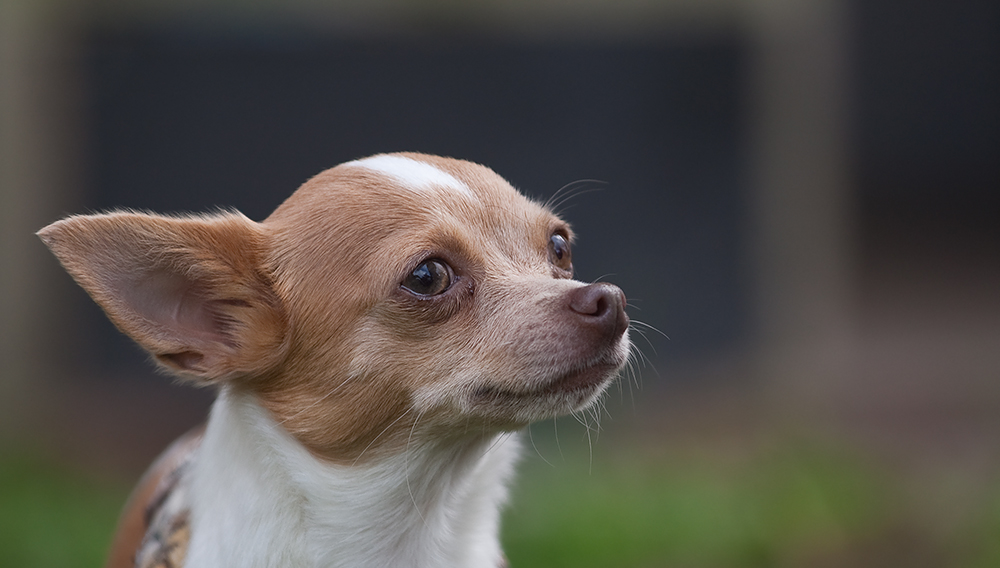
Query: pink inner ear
(178,305)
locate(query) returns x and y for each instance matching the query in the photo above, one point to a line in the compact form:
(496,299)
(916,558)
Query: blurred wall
(185,122)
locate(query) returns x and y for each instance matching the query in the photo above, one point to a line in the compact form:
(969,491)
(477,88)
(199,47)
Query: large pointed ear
(192,291)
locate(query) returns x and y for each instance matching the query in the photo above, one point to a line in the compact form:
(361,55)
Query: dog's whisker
(555,430)
(646,363)
(629,377)
(643,335)
(498,440)
(649,327)
(406,467)
(558,194)
(636,359)
(563,205)
(592,432)
(531,438)
(570,191)
(548,202)
(602,405)
(590,451)
(384,430)
(601,279)
(594,424)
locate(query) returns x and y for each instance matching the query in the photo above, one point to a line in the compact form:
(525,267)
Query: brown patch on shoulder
(167,548)
(149,494)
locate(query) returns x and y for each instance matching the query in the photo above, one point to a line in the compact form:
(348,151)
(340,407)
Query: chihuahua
(375,342)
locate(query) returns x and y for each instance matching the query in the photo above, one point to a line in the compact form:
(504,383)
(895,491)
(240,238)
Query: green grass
(980,541)
(53,517)
(632,512)
(792,504)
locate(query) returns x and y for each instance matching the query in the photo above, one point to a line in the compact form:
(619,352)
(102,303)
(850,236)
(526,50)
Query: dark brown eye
(431,278)
(559,253)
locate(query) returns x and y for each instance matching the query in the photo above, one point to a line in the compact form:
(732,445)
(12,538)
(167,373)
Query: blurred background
(802,198)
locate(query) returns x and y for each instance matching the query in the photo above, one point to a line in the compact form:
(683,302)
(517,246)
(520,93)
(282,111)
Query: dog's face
(388,299)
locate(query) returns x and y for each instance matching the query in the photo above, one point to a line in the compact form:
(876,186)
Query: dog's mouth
(581,383)
(588,378)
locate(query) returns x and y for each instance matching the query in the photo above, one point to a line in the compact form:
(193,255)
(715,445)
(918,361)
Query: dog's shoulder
(153,530)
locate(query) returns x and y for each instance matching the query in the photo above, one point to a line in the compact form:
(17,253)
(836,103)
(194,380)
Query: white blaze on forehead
(412,174)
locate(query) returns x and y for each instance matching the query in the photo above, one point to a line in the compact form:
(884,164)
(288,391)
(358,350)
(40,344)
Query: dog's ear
(193,291)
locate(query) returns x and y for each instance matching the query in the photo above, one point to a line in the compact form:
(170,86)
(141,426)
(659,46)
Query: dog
(375,342)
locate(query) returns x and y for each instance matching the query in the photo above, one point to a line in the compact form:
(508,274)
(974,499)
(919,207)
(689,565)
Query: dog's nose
(601,306)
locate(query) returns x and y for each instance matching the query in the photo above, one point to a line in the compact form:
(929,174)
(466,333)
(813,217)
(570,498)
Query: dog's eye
(559,253)
(431,278)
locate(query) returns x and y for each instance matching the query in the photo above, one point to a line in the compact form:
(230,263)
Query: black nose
(602,307)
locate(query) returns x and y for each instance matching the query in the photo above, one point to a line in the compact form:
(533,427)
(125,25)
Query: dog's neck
(259,498)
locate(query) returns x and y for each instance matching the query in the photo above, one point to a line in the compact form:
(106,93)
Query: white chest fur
(259,498)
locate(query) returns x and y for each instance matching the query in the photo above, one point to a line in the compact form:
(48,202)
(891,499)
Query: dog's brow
(413,174)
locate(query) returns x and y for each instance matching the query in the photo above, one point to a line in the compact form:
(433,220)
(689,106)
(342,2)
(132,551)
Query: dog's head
(397,296)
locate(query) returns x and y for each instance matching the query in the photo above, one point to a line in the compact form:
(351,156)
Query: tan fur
(191,290)
(489,248)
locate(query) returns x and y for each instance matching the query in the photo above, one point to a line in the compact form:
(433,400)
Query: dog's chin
(564,393)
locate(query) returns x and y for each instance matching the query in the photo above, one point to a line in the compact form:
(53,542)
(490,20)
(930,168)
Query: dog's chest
(260,499)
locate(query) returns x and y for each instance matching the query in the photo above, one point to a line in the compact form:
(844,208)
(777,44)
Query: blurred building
(801,195)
